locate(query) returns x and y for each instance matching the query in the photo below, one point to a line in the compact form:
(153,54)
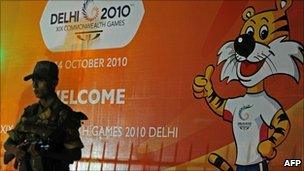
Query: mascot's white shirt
(250,115)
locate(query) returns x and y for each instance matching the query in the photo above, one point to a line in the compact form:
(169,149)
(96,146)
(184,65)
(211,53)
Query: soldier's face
(40,88)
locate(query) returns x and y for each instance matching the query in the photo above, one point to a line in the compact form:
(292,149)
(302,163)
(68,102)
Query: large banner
(159,80)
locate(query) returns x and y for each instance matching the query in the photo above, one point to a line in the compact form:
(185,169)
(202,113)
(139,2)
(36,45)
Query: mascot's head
(262,49)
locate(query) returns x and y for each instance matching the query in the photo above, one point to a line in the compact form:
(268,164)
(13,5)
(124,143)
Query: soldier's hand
(267,149)
(202,86)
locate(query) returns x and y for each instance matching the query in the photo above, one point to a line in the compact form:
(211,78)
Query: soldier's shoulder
(67,114)
(64,111)
(71,119)
(59,106)
(72,115)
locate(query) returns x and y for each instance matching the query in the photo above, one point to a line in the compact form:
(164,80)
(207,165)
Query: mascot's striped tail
(218,161)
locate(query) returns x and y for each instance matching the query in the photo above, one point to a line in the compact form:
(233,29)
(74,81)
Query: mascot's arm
(202,88)
(281,125)
(216,103)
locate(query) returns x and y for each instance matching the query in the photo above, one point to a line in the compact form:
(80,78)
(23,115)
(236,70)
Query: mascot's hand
(266,149)
(202,86)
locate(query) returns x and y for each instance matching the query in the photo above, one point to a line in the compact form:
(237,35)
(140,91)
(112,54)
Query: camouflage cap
(44,70)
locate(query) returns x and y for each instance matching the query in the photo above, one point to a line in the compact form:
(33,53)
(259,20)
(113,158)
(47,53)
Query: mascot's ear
(283,4)
(248,13)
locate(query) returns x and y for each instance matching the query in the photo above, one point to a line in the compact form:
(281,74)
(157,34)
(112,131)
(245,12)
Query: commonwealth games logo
(244,125)
(90,12)
(90,6)
(242,115)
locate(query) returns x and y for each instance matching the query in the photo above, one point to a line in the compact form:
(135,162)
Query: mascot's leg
(219,162)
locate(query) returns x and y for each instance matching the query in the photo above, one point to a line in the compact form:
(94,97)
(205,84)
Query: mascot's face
(262,48)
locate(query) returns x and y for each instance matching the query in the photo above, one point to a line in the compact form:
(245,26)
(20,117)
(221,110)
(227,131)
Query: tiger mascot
(262,49)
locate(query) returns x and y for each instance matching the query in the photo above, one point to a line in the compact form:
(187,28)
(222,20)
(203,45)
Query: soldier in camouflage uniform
(46,138)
